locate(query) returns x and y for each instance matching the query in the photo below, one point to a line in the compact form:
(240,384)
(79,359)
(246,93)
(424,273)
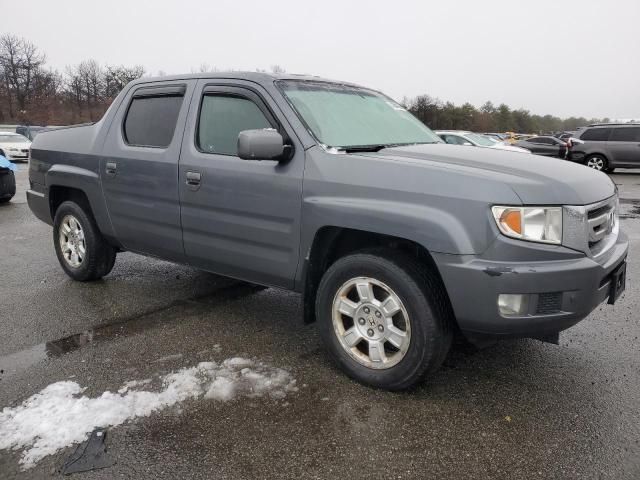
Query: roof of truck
(258,77)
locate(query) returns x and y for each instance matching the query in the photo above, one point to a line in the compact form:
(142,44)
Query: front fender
(433,228)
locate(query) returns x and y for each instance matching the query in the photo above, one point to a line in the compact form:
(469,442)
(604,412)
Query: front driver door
(239,218)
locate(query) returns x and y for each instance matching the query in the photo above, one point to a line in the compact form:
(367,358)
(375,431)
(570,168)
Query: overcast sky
(569,57)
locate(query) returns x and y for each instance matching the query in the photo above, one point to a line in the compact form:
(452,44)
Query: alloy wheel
(371,323)
(72,241)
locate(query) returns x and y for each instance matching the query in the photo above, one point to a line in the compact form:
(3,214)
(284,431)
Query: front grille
(600,223)
(549,303)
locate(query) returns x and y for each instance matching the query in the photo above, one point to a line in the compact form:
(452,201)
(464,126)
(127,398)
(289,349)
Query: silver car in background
(464,137)
(14,147)
(608,146)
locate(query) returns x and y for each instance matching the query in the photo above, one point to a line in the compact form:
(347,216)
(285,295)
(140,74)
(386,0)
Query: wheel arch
(333,242)
(68,182)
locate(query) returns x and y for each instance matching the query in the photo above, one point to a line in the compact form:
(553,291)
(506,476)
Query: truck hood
(537,180)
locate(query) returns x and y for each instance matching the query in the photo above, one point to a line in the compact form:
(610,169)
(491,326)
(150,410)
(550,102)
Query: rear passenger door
(543,146)
(139,168)
(624,146)
(240,218)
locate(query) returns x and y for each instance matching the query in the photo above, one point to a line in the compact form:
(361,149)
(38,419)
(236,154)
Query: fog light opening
(513,304)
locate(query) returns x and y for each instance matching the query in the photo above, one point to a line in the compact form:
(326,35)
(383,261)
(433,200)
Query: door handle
(111,168)
(193,180)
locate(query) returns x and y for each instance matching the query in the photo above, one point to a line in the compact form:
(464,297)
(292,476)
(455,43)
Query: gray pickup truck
(395,239)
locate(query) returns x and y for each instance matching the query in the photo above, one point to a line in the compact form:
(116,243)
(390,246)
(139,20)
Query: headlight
(536,224)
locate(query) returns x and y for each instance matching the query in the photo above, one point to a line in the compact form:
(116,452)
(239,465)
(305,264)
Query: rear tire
(386,350)
(597,162)
(81,249)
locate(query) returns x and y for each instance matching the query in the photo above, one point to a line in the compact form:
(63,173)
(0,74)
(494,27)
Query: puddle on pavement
(18,361)
(631,212)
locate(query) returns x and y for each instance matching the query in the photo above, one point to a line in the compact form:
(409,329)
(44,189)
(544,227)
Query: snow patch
(59,416)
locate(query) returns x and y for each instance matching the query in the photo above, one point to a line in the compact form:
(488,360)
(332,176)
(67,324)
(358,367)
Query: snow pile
(58,416)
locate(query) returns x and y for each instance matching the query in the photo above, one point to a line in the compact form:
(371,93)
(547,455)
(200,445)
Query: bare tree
(116,77)
(20,61)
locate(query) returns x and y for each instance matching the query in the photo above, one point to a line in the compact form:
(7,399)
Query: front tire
(384,318)
(81,249)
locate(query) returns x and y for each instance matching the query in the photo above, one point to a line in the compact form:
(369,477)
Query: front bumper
(39,203)
(576,283)
(17,157)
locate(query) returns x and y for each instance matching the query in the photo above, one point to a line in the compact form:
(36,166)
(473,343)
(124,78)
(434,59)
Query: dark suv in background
(608,146)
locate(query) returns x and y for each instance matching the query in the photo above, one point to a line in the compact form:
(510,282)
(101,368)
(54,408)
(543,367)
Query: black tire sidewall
(424,353)
(94,256)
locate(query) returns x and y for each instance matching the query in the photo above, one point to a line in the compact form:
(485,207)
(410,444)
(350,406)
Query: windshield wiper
(378,147)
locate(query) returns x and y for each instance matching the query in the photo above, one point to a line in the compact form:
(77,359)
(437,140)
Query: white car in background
(14,147)
(464,137)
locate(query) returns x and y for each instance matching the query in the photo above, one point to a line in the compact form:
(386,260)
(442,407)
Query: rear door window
(541,141)
(625,134)
(151,118)
(222,118)
(596,134)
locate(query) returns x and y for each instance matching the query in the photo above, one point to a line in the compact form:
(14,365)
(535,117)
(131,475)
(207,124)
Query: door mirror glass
(264,144)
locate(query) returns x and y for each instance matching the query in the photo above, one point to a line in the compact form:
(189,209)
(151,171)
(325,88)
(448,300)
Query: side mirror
(266,144)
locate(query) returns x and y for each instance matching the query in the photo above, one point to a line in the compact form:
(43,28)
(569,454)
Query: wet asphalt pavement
(519,409)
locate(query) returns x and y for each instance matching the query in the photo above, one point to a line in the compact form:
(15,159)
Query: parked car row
(598,146)
(463,137)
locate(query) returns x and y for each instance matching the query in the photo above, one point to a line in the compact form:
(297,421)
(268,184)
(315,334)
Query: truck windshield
(347,117)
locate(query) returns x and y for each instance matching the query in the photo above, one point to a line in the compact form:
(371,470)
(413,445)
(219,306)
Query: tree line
(440,115)
(32,93)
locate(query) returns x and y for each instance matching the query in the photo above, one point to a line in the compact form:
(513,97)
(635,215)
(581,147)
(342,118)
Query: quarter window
(596,134)
(625,134)
(151,120)
(222,118)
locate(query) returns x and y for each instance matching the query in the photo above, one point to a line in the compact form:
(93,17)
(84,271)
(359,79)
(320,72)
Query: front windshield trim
(342,148)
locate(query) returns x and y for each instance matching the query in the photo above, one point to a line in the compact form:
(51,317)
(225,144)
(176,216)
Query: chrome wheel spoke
(347,307)
(365,291)
(395,336)
(376,352)
(352,337)
(390,306)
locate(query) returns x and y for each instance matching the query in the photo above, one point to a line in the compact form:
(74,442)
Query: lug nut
(366,310)
(381,328)
(361,321)
(378,314)
(370,332)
